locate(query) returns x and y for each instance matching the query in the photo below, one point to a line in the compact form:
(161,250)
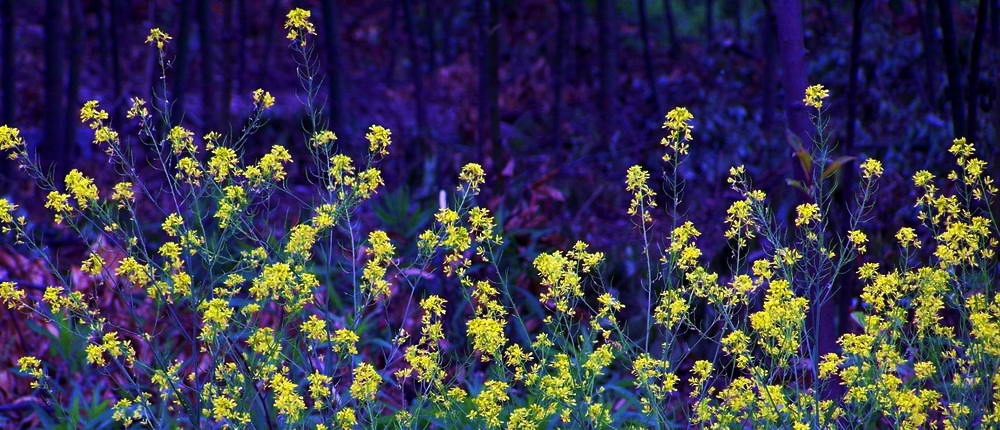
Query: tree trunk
(415,67)
(206,45)
(73,76)
(335,98)
(770,49)
(52,149)
(857,30)
(114,8)
(709,24)
(668,17)
(180,65)
(738,18)
(977,48)
(953,68)
(926,10)
(604,71)
(647,58)
(791,47)
(229,38)
(7,111)
(429,30)
(493,52)
(558,71)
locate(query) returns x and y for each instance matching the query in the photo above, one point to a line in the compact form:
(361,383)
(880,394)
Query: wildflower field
(229,279)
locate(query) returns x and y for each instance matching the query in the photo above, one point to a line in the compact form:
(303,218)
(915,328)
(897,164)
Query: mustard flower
(287,400)
(31,366)
(907,237)
(487,336)
(11,140)
(379,138)
(472,174)
(233,201)
(871,168)
(81,187)
(122,192)
(366,382)
(59,204)
(301,240)
(859,239)
(314,328)
(642,195)
(93,264)
(224,163)
(137,108)
(181,140)
(319,388)
(157,37)
(345,342)
(815,95)
(489,403)
(263,99)
(806,213)
(346,419)
(216,314)
(10,295)
(298,25)
(678,124)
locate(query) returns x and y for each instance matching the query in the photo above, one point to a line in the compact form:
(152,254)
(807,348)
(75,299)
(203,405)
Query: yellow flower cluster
(636,182)
(157,37)
(815,95)
(298,25)
(381,254)
(366,382)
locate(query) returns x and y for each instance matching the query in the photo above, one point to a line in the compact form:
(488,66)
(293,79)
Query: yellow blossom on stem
(815,95)
(298,25)
(157,37)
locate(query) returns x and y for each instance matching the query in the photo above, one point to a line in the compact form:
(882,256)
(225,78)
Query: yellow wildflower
(815,95)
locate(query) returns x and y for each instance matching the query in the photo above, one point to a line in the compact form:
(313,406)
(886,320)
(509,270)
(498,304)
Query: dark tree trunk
(604,71)
(482,118)
(738,18)
(180,65)
(926,10)
(857,30)
(791,47)
(73,76)
(668,17)
(114,8)
(770,48)
(265,64)
(335,98)
(709,24)
(429,32)
(415,67)
(953,68)
(977,48)
(390,70)
(206,45)
(7,111)
(493,52)
(229,38)
(647,57)
(53,149)
(558,70)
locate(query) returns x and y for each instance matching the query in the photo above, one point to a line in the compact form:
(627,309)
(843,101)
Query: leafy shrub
(245,302)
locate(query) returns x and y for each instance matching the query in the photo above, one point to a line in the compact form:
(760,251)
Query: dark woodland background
(556,98)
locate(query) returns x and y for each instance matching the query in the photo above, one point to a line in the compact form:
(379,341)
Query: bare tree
(791,47)
(977,48)
(206,46)
(952,67)
(53,149)
(335,98)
